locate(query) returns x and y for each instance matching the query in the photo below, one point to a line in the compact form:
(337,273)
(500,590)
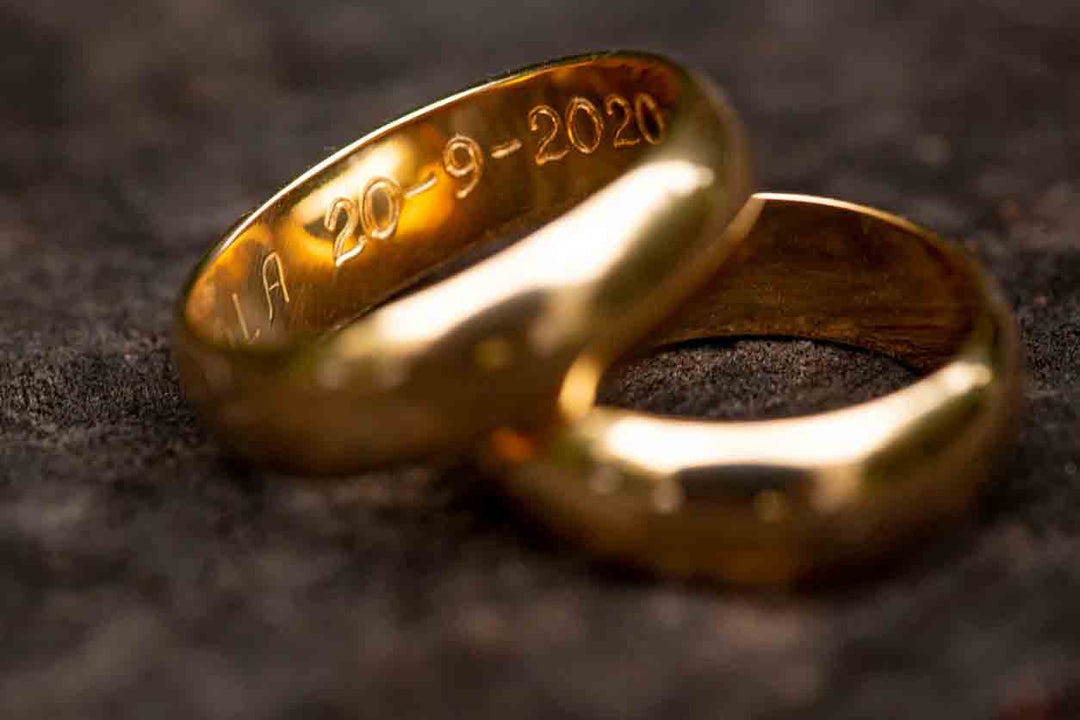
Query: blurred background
(142,575)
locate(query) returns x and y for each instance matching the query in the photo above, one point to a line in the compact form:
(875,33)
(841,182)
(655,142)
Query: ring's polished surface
(638,165)
(772,501)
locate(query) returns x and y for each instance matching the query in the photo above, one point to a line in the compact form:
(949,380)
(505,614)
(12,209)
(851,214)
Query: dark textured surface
(141,576)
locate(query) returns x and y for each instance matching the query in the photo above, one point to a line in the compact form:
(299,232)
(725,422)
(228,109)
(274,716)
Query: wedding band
(777,501)
(293,337)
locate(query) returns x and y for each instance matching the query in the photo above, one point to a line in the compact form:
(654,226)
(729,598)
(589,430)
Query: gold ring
(292,336)
(772,502)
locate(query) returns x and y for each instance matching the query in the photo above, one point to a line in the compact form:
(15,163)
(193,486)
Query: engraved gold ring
(780,500)
(295,338)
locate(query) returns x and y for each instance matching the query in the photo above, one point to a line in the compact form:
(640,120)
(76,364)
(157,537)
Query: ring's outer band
(772,502)
(284,336)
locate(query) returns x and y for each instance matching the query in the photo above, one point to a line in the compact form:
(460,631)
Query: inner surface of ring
(385,211)
(834,272)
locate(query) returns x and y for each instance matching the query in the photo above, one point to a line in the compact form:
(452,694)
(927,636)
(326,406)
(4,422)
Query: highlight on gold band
(778,501)
(298,342)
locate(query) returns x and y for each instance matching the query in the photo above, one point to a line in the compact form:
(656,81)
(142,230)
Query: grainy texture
(142,576)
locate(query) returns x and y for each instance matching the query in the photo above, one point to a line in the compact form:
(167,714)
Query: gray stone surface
(143,576)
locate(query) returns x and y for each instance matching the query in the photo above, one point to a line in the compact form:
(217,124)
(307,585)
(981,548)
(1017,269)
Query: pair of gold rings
(369,313)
